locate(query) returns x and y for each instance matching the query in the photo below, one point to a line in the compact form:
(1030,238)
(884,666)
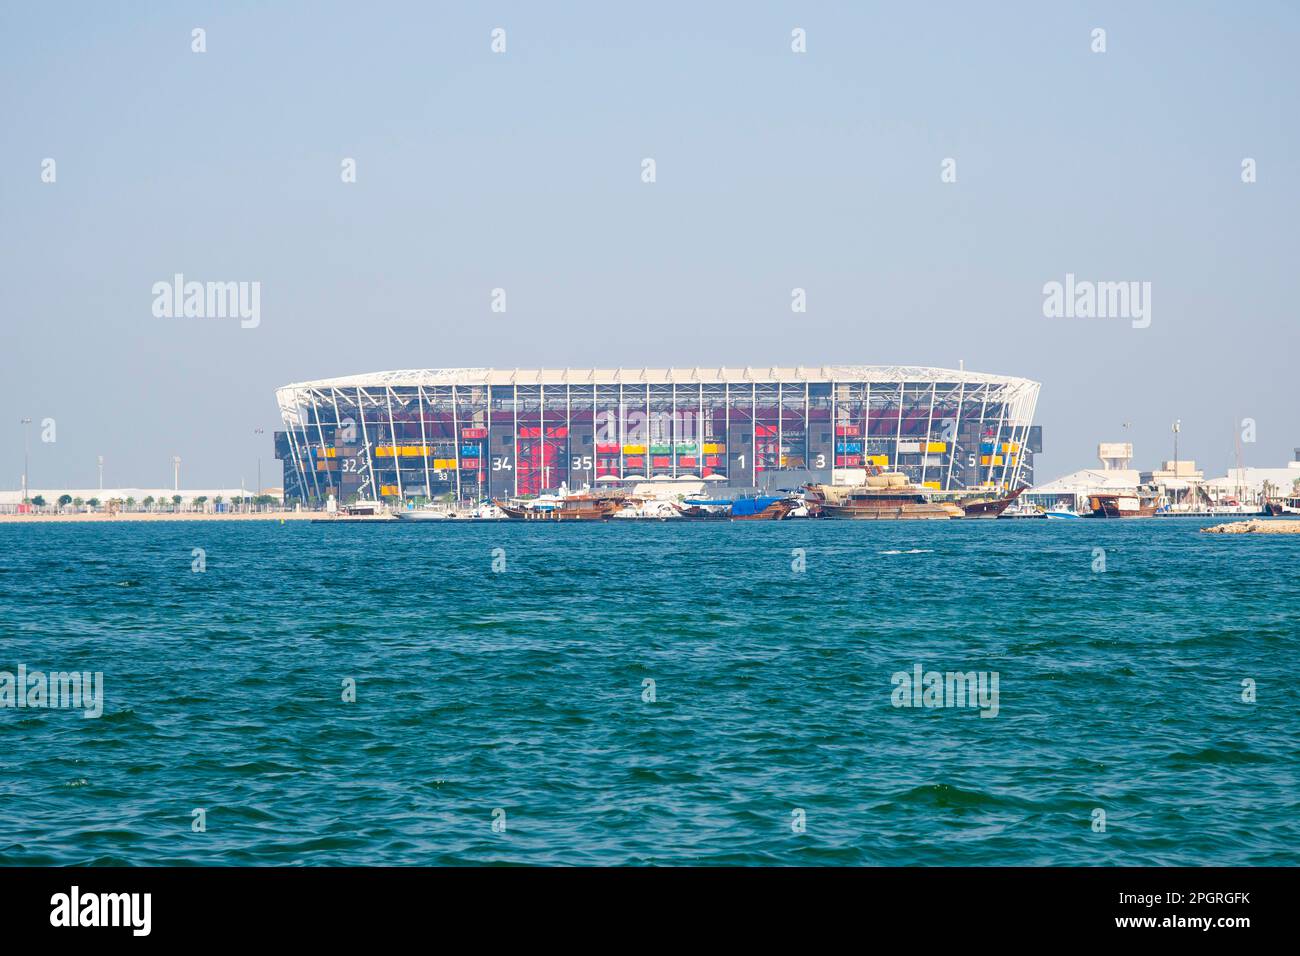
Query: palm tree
(130,503)
(176,502)
(65,500)
(93,502)
(148,501)
(39,501)
(77,503)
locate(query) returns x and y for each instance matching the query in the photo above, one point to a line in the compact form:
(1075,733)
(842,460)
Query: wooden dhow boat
(572,508)
(987,506)
(885,496)
(1123,505)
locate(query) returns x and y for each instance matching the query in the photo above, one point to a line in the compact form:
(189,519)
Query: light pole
(101,472)
(1178,424)
(26,423)
(258,490)
(176,478)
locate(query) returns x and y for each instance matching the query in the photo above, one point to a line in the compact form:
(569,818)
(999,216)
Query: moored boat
(426,513)
(987,506)
(572,508)
(704,509)
(762,508)
(884,497)
(358,512)
(1056,514)
(1134,505)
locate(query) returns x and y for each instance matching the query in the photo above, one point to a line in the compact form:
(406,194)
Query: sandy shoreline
(153,516)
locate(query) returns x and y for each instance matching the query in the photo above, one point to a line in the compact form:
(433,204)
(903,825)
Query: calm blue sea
(522,697)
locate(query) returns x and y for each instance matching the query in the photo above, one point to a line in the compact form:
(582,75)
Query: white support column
(672,430)
(952,444)
(929,424)
(293,449)
(392,431)
(835,428)
(807,427)
(726,423)
(979,439)
(780,422)
(997,437)
(568,436)
(365,438)
(320,436)
(424,441)
(455,440)
(898,433)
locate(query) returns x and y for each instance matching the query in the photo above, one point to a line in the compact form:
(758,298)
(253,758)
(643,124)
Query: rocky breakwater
(1255,527)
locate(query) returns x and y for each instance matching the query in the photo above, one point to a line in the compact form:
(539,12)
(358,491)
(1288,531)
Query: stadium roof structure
(663,376)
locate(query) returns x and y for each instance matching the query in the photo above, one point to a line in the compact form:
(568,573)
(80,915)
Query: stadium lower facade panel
(478,434)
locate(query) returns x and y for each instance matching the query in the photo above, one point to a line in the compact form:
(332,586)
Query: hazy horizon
(522,170)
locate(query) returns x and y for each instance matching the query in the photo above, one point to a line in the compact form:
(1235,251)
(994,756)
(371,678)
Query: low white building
(1249,483)
(1072,490)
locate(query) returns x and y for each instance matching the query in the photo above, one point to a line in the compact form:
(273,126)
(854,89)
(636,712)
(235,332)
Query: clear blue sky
(522,171)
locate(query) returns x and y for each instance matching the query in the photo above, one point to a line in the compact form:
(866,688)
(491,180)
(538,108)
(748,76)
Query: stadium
(480,433)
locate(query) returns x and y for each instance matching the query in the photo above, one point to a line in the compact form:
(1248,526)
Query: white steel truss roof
(909,374)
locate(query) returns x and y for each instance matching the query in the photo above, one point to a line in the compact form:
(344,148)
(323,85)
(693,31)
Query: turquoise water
(523,691)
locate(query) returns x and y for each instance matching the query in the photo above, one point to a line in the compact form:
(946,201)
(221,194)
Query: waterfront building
(47,499)
(484,433)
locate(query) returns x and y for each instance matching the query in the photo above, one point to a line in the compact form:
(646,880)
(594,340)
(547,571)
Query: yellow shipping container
(990,459)
(386,491)
(931,484)
(634,449)
(444,463)
(881,460)
(936,446)
(714,448)
(1010,446)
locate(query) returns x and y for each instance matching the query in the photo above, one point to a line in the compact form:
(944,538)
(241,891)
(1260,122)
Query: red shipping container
(607,449)
(469,463)
(711,459)
(558,431)
(765,430)
(473,433)
(688,462)
(662,461)
(848,461)
(850,431)
(637,462)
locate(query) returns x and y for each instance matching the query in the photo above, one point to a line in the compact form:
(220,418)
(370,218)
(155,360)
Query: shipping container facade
(481,433)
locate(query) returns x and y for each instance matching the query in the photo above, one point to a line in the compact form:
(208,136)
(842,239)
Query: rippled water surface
(523,691)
